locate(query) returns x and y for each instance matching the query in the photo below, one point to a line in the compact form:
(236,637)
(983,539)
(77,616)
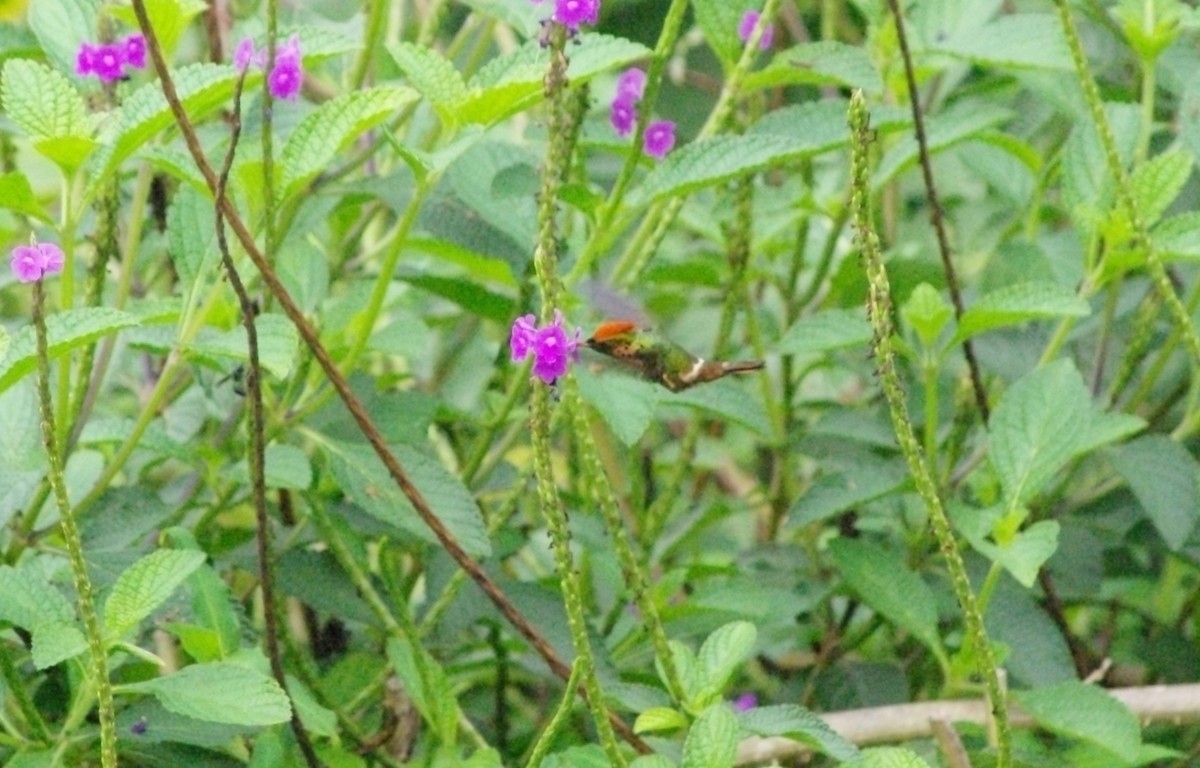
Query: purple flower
(523,331)
(749,22)
(33,262)
(107,62)
(631,85)
(660,138)
(553,350)
(135,51)
(744,702)
(85,59)
(572,13)
(245,55)
(287,75)
(624,116)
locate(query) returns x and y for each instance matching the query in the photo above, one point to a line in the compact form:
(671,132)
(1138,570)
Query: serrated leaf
(1157,183)
(626,403)
(46,106)
(220,692)
(16,194)
(1011,41)
(651,761)
(927,313)
(321,136)
(802,131)
(722,652)
(513,82)
(1085,712)
(60,26)
(146,585)
(27,599)
(427,684)
(1022,554)
(56,642)
(1178,237)
(886,757)
(1164,477)
(1044,420)
(192,234)
(366,481)
(1014,304)
(833,493)
(798,723)
(825,331)
(202,88)
(287,467)
(659,719)
(213,610)
(962,121)
(466,293)
(712,740)
(65,331)
(432,75)
(827,61)
(883,581)
(277,342)
(726,398)
(719,20)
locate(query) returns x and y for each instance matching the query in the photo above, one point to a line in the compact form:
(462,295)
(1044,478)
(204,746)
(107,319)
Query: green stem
(546,740)
(83,583)
(16,686)
(879,302)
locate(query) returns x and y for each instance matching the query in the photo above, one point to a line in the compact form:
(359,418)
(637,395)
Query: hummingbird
(657,359)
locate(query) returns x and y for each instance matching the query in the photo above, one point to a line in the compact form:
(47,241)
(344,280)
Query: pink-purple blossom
(624,116)
(33,262)
(746,28)
(552,349)
(631,85)
(286,77)
(108,61)
(660,139)
(573,13)
(744,702)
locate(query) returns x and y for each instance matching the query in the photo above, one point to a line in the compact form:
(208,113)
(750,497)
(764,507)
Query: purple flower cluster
(552,349)
(573,13)
(33,262)
(660,135)
(108,61)
(746,28)
(286,77)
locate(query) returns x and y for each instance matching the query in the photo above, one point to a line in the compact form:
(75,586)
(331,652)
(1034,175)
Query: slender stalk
(879,310)
(70,531)
(16,686)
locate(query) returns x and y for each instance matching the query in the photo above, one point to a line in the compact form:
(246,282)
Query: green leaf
(965,119)
(192,235)
(787,134)
(16,194)
(1022,554)
(1080,711)
(1012,41)
(886,757)
(1163,476)
(513,82)
(468,294)
(287,467)
(170,19)
(798,723)
(366,481)
(1156,184)
(220,692)
(835,492)
(927,312)
(883,581)
(277,343)
(27,599)
(46,106)
(658,719)
(727,398)
(726,649)
(56,642)
(427,684)
(1044,420)
(820,63)
(65,331)
(712,740)
(433,75)
(719,20)
(1015,304)
(626,403)
(319,138)
(202,88)
(146,585)
(60,26)
(651,761)
(825,331)
(213,610)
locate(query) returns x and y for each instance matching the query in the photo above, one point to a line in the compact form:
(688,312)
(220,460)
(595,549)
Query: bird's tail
(741,366)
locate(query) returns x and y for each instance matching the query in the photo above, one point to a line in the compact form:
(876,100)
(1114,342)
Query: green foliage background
(774,516)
